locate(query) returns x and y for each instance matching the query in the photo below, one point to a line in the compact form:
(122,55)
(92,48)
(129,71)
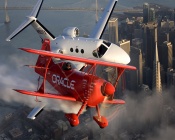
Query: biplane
(73,84)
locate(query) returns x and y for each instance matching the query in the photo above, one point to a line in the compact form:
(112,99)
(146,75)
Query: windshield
(107,43)
(100,51)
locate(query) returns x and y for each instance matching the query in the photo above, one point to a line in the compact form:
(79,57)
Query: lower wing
(114,101)
(46,95)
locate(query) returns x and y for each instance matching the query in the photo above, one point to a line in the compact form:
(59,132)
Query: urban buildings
(155,68)
(151,49)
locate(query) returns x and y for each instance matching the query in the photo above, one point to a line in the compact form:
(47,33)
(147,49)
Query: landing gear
(74,118)
(101,120)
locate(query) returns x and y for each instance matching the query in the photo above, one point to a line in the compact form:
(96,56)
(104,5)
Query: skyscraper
(113,30)
(149,14)
(149,39)
(125,45)
(156,83)
(171,77)
(135,77)
(145,12)
(152,15)
(167,55)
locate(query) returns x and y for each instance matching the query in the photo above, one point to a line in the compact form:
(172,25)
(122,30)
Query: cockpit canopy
(101,50)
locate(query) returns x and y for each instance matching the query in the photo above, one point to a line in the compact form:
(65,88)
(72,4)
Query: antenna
(96,10)
(7,19)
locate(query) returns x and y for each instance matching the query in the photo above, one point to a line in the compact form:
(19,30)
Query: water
(86,3)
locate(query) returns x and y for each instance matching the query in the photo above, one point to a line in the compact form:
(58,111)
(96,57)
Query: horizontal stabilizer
(114,101)
(35,112)
(32,17)
(46,95)
(78,59)
(32,20)
(24,25)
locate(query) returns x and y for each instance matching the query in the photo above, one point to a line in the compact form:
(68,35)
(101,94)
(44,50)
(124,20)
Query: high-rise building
(172,40)
(162,37)
(136,77)
(145,13)
(170,77)
(156,83)
(149,14)
(113,30)
(152,15)
(149,39)
(167,55)
(125,45)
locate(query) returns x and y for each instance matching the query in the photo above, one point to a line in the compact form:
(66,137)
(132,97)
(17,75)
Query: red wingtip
(22,49)
(25,49)
(17,90)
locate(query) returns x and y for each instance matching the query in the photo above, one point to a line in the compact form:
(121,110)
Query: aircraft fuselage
(80,85)
(90,48)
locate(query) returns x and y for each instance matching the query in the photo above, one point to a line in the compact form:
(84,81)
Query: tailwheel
(73,119)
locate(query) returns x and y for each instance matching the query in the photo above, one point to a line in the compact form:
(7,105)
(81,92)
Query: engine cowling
(107,89)
(71,31)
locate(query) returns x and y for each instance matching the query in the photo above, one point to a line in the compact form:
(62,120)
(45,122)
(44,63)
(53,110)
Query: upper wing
(101,25)
(78,59)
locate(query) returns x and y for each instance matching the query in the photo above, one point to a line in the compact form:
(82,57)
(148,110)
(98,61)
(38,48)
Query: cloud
(166,133)
(145,117)
(19,77)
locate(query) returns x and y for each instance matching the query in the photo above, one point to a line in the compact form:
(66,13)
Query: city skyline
(140,114)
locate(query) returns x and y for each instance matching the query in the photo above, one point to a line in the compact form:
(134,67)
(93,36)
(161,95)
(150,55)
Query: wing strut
(120,72)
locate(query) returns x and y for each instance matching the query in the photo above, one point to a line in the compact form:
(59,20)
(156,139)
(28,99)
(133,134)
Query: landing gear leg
(101,120)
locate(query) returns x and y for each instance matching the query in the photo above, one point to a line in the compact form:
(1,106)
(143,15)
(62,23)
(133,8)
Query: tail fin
(102,23)
(32,19)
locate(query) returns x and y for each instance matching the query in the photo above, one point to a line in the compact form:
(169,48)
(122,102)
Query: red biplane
(72,84)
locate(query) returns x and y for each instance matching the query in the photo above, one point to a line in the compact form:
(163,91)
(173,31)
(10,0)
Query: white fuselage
(90,48)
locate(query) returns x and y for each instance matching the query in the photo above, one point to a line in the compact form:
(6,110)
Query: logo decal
(56,79)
